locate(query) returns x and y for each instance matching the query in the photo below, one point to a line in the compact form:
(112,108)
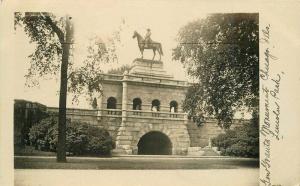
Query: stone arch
(173,106)
(137,104)
(155,104)
(111,103)
(155,143)
(146,129)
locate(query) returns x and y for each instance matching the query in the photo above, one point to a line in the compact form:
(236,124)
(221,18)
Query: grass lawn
(31,151)
(121,163)
(29,158)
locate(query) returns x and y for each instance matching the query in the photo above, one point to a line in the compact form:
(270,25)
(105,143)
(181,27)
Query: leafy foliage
(221,54)
(87,79)
(81,138)
(242,141)
(53,38)
(42,135)
(46,32)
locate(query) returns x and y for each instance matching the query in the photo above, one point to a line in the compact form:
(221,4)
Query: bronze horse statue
(155,46)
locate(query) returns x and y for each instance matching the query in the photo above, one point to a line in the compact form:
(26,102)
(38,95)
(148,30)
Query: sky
(163,20)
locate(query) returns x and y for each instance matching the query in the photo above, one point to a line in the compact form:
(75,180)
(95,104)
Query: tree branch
(55,28)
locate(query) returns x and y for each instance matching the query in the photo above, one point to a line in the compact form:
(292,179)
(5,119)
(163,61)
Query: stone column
(124,99)
(100,107)
(124,138)
(185,117)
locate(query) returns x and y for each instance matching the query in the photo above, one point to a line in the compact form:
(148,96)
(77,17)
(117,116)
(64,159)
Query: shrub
(242,141)
(39,133)
(81,138)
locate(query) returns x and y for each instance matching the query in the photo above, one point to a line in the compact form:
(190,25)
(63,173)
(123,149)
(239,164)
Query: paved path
(213,177)
(206,171)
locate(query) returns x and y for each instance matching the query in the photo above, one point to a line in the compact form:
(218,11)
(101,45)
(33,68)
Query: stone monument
(152,45)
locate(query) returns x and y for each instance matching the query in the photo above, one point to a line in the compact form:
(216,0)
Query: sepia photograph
(136,87)
(135,109)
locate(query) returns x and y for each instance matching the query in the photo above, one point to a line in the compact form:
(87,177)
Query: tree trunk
(61,146)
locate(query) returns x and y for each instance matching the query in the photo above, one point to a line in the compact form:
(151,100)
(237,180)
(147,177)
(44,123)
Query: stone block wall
(148,93)
(200,136)
(182,134)
(26,114)
(134,128)
(111,124)
(112,90)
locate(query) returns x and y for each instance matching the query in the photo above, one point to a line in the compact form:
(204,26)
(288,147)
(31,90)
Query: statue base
(146,67)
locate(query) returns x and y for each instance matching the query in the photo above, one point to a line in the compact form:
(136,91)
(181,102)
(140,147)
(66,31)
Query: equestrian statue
(148,43)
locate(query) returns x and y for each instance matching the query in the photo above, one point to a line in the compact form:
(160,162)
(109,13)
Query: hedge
(242,141)
(81,138)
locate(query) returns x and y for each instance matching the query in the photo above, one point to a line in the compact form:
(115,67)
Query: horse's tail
(160,48)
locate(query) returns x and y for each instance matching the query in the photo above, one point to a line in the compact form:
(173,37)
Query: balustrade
(115,112)
(73,111)
(118,113)
(148,114)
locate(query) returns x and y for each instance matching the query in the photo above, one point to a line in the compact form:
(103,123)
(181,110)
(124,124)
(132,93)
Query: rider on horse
(147,43)
(147,38)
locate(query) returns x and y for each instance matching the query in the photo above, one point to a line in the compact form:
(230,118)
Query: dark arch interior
(111,103)
(155,143)
(175,105)
(156,103)
(137,104)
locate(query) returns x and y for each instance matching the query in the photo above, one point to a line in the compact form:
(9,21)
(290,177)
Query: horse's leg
(159,56)
(142,52)
(160,51)
(154,53)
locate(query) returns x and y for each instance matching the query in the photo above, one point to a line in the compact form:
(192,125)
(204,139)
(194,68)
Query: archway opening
(111,103)
(173,106)
(155,143)
(155,105)
(137,104)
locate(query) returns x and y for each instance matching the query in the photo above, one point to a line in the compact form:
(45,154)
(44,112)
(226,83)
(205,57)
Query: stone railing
(157,80)
(118,113)
(74,111)
(156,115)
(112,77)
(109,112)
(145,79)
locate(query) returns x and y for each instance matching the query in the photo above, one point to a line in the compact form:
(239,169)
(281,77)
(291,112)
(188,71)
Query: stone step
(117,151)
(210,152)
(196,153)
(192,149)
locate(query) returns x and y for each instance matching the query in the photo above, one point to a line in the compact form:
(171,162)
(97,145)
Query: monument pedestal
(148,81)
(150,68)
